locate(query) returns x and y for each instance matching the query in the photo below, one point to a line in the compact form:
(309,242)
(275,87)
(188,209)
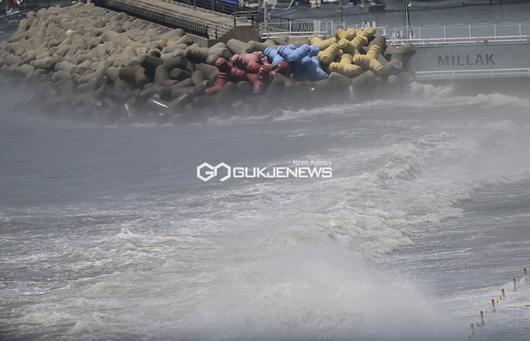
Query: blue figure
(273,56)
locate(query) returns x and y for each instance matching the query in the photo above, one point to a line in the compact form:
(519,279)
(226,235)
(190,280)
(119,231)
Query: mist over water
(106,233)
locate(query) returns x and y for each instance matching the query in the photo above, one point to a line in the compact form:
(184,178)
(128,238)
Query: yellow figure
(345,66)
(353,47)
(370,60)
(322,44)
(369,32)
(348,34)
(329,54)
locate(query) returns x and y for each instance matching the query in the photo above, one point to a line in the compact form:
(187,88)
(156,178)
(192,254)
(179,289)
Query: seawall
(115,68)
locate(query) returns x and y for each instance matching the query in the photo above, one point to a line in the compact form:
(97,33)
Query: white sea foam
(272,259)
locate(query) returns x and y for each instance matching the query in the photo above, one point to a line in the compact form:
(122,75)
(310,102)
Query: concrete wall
(245,33)
(241,33)
(473,57)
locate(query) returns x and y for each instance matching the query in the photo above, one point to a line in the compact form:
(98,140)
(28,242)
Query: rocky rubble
(115,68)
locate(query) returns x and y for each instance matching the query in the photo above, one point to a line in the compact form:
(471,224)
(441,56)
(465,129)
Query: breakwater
(118,69)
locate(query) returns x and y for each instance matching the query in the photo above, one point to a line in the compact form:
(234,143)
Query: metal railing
(419,35)
(292,28)
(158,15)
(471,74)
(249,16)
(221,6)
(459,34)
(300,28)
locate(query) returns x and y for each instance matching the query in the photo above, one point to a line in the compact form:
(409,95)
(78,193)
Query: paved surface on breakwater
(197,14)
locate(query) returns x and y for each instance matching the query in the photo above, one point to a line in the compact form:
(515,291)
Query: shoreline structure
(119,69)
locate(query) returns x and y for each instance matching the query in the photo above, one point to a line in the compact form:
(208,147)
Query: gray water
(106,233)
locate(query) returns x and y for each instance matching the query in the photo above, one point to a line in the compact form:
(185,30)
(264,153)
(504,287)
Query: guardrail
(471,74)
(462,41)
(298,28)
(221,6)
(419,35)
(463,34)
(160,16)
(252,16)
(302,27)
(301,34)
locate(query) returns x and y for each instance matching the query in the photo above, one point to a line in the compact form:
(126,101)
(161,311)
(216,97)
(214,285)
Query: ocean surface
(107,234)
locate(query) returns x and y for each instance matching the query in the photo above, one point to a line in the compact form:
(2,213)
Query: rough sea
(106,233)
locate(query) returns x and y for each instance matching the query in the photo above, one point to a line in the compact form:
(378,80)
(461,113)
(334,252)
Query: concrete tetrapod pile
(119,69)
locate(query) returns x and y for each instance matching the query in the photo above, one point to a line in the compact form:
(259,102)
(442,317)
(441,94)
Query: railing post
(469,32)
(316,26)
(445,33)
(419,32)
(266,18)
(520,30)
(290,25)
(495,30)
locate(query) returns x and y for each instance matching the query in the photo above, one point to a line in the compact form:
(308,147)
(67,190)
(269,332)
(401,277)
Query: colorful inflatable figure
(302,60)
